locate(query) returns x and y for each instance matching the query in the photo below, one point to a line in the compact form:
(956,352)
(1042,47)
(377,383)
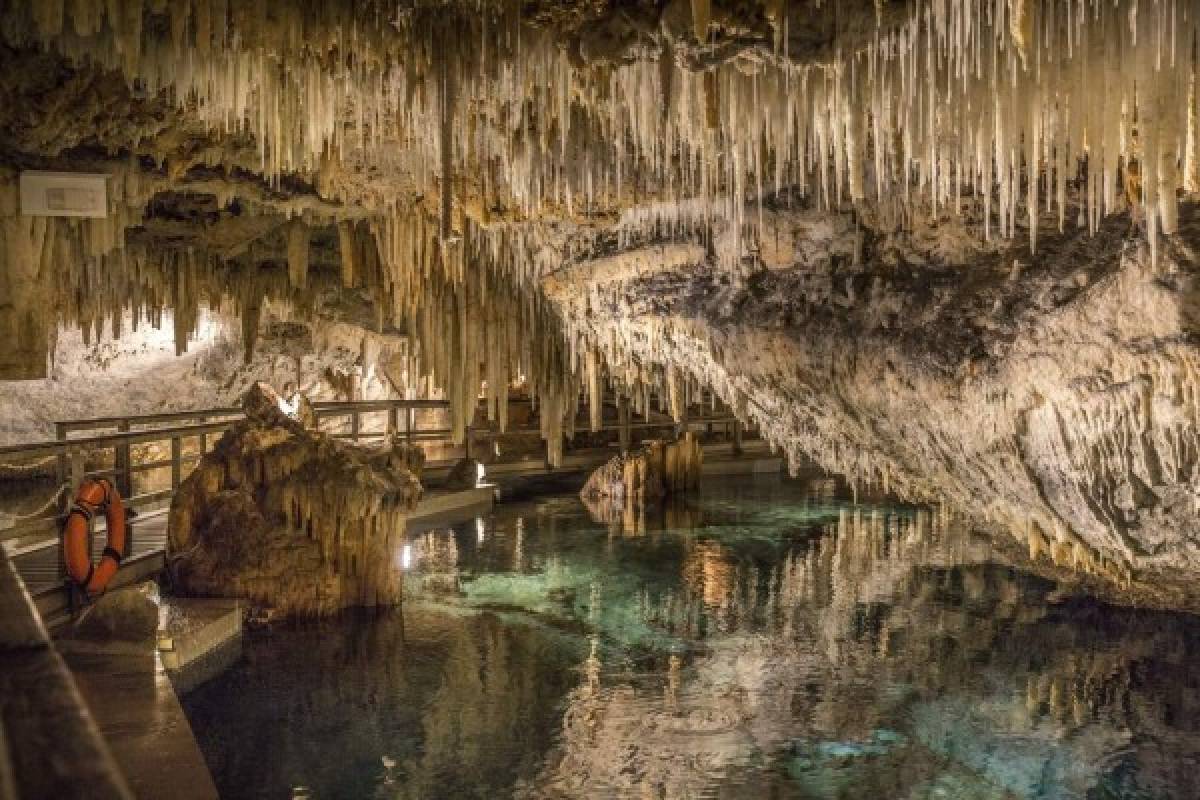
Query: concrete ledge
(437,506)
(198,638)
(741,466)
(139,715)
(51,744)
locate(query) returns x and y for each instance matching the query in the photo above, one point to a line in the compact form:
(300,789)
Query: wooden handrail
(94,423)
(69,449)
(61,445)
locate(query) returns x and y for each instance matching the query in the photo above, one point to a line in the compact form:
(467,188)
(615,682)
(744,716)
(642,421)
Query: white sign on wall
(64,194)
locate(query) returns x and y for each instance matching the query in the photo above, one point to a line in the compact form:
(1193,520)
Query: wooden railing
(186,437)
(183,437)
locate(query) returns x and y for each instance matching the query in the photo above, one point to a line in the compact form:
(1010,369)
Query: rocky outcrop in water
(290,518)
(1054,398)
(657,469)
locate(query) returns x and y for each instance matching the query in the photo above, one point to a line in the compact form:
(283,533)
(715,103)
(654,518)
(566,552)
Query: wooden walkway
(135,446)
(137,711)
(40,565)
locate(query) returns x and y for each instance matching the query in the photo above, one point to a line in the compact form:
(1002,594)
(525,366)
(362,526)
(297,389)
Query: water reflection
(766,639)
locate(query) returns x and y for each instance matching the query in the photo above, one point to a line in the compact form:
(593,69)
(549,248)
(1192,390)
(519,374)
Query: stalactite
(475,327)
(297,253)
(446,144)
(345,230)
(959,98)
(1191,160)
(595,390)
(701,18)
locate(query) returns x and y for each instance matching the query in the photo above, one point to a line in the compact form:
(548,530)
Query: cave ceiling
(562,193)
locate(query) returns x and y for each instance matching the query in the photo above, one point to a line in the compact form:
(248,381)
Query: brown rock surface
(290,518)
(654,471)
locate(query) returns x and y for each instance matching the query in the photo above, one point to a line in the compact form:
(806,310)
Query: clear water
(765,640)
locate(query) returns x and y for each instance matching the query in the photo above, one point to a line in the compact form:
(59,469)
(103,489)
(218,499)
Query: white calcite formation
(889,234)
(291,519)
(940,99)
(1054,399)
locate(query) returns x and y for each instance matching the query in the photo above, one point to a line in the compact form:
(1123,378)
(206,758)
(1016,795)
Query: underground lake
(768,637)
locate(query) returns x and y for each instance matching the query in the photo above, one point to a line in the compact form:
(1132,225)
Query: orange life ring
(94,496)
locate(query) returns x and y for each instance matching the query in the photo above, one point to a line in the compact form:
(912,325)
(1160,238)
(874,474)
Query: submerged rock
(290,518)
(463,475)
(128,614)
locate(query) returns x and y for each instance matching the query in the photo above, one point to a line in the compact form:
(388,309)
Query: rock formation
(1052,399)
(654,471)
(290,518)
(463,475)
(127,614)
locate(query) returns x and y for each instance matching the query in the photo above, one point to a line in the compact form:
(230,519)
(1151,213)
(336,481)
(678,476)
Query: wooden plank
(47,526)
(110,440)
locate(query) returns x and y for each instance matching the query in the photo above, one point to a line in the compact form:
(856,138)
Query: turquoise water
(766,639)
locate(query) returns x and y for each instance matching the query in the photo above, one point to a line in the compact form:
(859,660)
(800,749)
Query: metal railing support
(76,479)
(60,434)
(122,461)
(176,462)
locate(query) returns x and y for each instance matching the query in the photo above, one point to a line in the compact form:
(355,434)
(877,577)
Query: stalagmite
(274,499)
(656,470)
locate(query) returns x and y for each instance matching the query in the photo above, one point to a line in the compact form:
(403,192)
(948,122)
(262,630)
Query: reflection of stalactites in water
(591,665)
(710,573)
(631,518)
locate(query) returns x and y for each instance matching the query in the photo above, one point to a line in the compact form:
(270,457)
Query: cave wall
(1052,398)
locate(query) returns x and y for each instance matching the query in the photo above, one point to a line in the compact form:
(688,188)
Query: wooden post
(393,421)
(60,433)
(75,474)
(203,443)
(176,462)
(625,431)
(122,457)
(410,424)
(737,437)
(354,425)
